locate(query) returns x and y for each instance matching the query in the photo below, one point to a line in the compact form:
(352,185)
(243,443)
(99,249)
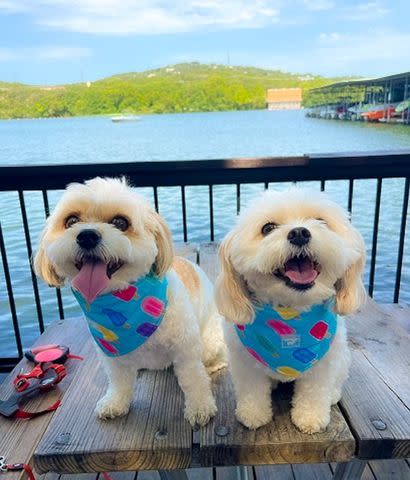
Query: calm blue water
(191,136)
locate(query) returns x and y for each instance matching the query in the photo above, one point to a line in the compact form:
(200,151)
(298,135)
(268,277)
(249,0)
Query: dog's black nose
(88,238)
(299,236)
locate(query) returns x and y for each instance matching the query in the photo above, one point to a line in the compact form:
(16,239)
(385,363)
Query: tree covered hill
(187,87)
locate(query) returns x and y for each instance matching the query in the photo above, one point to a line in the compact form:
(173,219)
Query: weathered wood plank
(49,476)
(200,474)
(278,442)
(390,469)
(276,472)
(366,475)
(18,438)
(115,476)
(385,343)
(154,435)
(85,476)
(312,472)
(208,259)
(376,399)
(187,250)
(234,473)
(400,313)
(148,475)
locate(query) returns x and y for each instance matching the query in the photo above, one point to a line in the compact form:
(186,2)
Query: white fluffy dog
(102,237)
(295,251)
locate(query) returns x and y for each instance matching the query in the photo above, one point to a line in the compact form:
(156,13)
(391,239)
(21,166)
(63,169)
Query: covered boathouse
(383,99)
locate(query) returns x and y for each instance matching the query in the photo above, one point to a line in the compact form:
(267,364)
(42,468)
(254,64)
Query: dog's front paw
(253,416)
(111,406)
(200,413)
(309,421)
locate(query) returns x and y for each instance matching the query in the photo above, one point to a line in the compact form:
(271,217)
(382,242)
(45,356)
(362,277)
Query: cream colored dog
(293,249)
(104,222)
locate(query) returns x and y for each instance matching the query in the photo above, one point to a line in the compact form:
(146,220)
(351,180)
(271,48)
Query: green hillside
(188,87)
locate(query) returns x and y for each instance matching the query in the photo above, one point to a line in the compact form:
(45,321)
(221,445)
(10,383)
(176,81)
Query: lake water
(191,136)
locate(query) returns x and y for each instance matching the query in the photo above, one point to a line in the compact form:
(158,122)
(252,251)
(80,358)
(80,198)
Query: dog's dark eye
(120,222)
(268,227)
(321,220)
(71,220)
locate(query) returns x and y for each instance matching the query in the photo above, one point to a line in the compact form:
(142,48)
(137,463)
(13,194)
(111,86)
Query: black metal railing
(208,173)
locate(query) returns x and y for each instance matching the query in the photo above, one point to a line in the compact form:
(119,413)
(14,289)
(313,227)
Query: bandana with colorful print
(287,341)
(122,321)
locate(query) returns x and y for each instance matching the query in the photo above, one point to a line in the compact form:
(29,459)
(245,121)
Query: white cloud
(330,37)
(375,51)
(318,5)
(365,12)
(124,17)
(13,6)
(45,52)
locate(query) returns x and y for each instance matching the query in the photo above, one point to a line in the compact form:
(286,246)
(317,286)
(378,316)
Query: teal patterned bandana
(287,341)
(122,321)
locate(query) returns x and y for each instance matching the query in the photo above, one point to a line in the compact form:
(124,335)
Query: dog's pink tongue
(300,271)
(91,280)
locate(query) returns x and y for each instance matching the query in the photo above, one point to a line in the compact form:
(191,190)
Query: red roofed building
(284,98)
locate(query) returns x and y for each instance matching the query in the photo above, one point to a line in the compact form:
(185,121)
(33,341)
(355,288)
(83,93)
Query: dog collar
(288,341)
(122,321)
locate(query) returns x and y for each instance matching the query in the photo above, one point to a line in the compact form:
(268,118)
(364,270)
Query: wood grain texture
(276,472)
(18,438)
(400,313)
(200,474)
(127,443)
(114,476)
(378,388)
(86,476)
(312,472)
(49,476)
(229,473)
(278,442)
(208,259)
(187,250)
(148,475)
(390,469)
(368,474)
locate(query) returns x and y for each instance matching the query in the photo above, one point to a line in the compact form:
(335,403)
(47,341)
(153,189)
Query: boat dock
(383,99)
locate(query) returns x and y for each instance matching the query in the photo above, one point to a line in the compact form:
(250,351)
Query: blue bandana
(287,341)
(122,321)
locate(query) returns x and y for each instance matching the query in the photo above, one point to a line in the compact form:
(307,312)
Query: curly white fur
(249,261)
(190,335)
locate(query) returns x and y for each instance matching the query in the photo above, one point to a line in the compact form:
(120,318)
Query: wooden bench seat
(155,435)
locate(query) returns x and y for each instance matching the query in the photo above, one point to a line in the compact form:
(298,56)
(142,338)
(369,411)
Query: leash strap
(16,467)
(27,415)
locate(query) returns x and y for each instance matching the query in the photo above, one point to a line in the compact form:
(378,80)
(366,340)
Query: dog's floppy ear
(231,294)
(163,239)
(350,291)
(43,267)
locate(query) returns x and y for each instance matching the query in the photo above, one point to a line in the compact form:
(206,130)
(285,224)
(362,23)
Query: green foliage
(188,87)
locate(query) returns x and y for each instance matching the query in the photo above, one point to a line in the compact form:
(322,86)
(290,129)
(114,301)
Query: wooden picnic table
(371,422)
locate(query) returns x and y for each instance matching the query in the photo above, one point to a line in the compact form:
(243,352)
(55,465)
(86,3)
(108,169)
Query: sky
(64,41)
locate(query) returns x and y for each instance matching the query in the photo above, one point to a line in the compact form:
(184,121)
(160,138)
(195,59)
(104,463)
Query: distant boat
(379,113)
(125,118)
